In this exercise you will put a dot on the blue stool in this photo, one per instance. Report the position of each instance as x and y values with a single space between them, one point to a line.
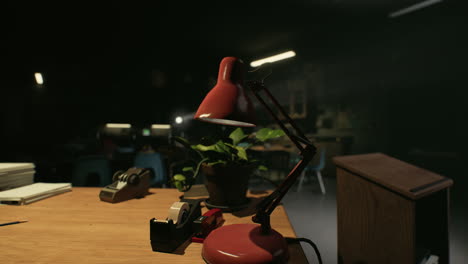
317 169
155 162
92 170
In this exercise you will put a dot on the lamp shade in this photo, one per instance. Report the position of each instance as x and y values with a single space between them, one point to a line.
227 103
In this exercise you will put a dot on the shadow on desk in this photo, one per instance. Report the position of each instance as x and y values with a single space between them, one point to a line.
251 209
181 249
248 211
255 197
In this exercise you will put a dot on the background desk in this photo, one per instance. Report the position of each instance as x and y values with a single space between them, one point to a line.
76 227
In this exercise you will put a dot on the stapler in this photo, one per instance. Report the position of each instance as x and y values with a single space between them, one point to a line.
206 223
133 183
168 234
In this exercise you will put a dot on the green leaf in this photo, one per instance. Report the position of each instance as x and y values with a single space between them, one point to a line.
241 153
201 147
238 151
237 135
179 186
187 169
216 162
179 178
222 147
219 147
265 134
262 168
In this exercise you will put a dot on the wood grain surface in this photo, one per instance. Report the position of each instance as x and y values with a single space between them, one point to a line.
374 224
389 211
77 227
404 178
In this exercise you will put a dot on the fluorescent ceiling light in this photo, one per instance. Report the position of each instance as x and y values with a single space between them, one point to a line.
413 8
160 126
274 58
113 125
39 79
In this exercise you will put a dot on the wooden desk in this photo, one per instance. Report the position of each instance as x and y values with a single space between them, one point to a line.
76 227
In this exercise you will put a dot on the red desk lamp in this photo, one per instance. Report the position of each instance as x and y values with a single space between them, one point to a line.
227 104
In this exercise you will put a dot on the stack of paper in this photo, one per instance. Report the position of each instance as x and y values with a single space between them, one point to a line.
34 192
14 175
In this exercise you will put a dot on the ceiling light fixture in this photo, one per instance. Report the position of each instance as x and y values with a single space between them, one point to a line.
39 79
160 126
114 125
281 56
413 8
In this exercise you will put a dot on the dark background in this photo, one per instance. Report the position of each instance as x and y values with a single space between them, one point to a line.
402 82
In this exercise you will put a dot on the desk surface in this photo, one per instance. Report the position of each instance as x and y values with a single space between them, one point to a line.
76 227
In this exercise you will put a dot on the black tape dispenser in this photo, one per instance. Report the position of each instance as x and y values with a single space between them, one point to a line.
133 183
167 235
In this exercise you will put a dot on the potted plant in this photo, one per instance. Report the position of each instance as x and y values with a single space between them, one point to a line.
226 164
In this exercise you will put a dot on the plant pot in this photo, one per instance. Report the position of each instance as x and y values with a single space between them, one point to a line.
227 185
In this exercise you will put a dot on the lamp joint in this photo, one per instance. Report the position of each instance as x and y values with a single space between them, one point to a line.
263 219
255 85
309 152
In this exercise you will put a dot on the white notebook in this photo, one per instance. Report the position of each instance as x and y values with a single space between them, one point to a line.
8 167
34 192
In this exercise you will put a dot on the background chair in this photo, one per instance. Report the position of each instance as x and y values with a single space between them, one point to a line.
92 170
317 169
155 162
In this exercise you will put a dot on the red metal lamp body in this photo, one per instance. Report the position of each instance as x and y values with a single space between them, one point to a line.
244 243
227 104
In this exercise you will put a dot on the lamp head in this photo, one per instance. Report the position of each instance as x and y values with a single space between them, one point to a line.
227 103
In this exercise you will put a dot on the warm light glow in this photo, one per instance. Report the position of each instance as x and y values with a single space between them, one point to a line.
413 8
39 79
160 126
226 122
204 116
179 120
228 254
271 59
113 125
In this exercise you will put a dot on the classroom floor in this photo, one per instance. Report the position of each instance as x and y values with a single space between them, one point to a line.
313 216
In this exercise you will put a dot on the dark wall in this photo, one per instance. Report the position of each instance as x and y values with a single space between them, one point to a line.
403 82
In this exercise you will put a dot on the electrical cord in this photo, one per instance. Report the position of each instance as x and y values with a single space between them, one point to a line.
302 239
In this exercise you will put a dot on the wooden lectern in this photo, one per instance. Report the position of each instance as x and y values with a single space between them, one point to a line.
390 211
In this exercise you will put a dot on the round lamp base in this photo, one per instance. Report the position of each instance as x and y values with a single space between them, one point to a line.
244 243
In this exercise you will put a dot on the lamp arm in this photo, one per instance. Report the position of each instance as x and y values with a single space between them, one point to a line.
269 203
256 88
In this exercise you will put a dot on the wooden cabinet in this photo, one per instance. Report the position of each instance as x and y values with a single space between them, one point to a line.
390 211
